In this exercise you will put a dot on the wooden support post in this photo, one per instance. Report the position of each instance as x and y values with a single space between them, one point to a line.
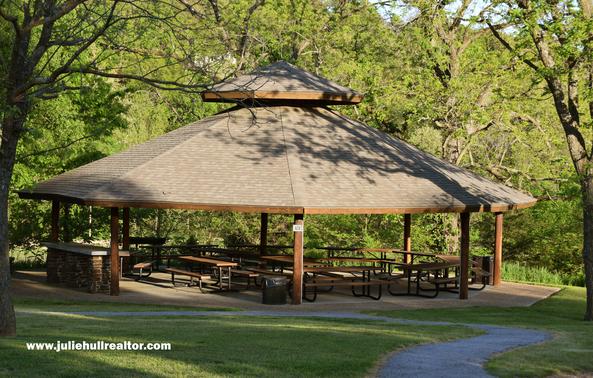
55 221
297 273
464 268
407 237
263 234
497 249
114 251
125 238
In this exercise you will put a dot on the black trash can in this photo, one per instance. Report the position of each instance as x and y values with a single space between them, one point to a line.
275 290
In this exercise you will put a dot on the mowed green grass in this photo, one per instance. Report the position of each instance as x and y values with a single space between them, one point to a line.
34 304
570 352
205 346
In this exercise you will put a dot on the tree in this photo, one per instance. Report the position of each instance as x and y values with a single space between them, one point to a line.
454 97
55 46
555 39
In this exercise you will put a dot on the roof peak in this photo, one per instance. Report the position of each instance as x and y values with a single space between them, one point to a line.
282 82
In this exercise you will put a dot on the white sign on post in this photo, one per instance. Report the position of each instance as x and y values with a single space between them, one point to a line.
298 228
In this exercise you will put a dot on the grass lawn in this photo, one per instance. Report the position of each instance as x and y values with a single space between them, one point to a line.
208 346
33 304
570 352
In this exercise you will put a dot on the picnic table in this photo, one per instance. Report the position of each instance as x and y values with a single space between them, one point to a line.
340 259
288 260
439 271
363 280
477 272
365 270
156 250
218 264
408 256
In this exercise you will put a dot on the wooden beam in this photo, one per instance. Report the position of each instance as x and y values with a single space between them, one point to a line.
263 234
464 268
55 221
277 209
114 251
497 249
125 238
407 237
297 273
349 98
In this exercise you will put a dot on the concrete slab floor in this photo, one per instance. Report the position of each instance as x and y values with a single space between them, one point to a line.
157 289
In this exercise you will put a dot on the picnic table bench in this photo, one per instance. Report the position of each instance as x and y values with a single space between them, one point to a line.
434 273
141 266
263 271
246 274
190 274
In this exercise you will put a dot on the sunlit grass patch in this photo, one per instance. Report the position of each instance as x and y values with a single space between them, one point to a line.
209 346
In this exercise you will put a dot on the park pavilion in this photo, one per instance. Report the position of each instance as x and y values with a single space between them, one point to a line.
280 149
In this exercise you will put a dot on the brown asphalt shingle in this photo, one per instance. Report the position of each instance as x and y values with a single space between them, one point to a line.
280 159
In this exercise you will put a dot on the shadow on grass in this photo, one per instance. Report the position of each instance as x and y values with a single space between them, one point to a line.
217 346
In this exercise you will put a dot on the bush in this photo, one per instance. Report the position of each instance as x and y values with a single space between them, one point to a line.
512 271
31 257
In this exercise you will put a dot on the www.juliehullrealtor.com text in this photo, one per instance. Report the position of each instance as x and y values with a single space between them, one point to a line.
59 346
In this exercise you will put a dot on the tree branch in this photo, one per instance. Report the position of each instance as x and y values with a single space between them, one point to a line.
508 46
66 145
57 13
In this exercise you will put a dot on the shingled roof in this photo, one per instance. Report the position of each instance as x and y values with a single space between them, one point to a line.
282 82
280 159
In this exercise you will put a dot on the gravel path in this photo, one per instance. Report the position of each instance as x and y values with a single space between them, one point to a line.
459 358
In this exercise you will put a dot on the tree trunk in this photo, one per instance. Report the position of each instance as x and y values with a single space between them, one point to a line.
451 231
7 317
11 130
588 242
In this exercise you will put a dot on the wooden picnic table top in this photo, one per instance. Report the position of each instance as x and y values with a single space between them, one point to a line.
355 249
371 250
450 258
428 265
178 246
378 249
209 261
415 253
342 269
333 248
354 259
285 258
270 246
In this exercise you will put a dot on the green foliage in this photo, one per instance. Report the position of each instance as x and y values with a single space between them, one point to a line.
540 275
553 240
27 257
